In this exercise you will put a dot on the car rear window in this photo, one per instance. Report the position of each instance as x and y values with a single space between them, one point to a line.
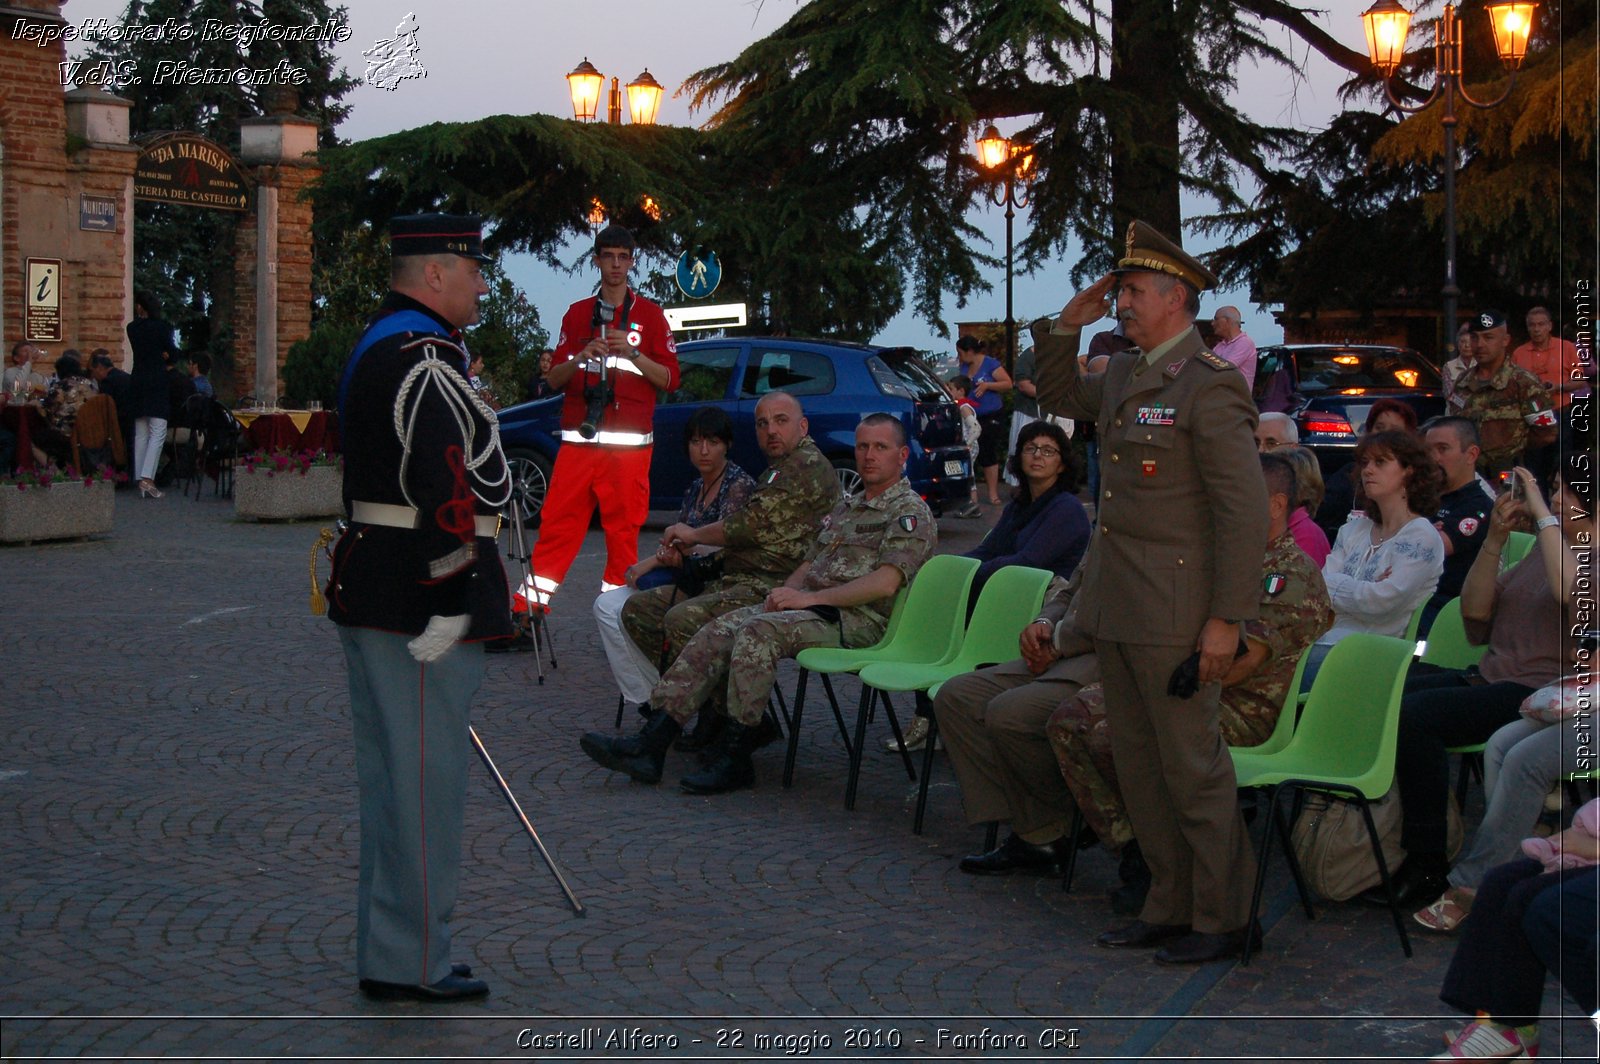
795 372
1333 369
899 370
704 374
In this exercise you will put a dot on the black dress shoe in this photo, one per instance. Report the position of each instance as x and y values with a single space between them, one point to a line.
1199 947
1014 856
1140 935
453 987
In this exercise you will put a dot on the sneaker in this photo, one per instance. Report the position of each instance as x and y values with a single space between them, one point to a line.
916 737
1483 1039
969 510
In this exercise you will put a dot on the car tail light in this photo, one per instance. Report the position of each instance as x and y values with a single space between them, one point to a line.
1328 424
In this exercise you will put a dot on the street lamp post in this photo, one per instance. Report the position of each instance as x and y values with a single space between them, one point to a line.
584 84
1386 23
1013 163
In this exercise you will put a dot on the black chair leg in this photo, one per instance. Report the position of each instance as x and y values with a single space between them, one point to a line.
794 727
1280 823
1383 873
927 773
620 704
1261 880
1072 850
899 736
838 715
862 710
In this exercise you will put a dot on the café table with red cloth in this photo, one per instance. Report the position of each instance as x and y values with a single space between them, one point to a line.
290 430
23 420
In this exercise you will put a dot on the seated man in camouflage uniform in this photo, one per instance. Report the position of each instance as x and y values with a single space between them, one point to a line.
1294 612
841 595
762 542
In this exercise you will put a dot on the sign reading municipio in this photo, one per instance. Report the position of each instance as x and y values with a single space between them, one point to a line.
97 214
191 171
42 314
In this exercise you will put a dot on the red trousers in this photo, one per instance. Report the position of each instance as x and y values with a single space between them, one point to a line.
617 480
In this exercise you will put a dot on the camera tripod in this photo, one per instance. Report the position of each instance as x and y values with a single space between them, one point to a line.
530 630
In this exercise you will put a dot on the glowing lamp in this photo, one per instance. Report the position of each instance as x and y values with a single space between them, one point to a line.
584 83
993 149
644 97
1386 23
1512 24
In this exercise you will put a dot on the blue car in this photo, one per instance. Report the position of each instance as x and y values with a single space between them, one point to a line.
837 384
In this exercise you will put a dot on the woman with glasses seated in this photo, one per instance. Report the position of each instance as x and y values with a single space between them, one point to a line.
1044 525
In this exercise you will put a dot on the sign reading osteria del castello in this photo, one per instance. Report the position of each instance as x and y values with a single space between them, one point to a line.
190 170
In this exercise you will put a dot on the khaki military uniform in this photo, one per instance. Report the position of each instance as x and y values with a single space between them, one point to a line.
1182 528
766 541
1294 612
992 722
744 647
1497 405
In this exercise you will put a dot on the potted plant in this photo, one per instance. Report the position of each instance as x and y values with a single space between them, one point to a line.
51 504
284 485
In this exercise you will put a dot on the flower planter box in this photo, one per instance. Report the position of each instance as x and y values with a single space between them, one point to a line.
68 509
287 495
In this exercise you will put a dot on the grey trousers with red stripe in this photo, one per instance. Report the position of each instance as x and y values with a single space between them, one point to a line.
410 723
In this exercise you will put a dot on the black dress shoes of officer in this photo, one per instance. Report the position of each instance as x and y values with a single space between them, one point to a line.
457 986
1140 935
731 769
641 756
1014 856
1198 947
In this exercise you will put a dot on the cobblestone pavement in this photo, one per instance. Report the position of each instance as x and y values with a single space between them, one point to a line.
178 823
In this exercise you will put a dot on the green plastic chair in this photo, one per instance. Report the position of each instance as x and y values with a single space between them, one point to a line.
1518 544
1446 645
1344 746
1009 601
1414 625
925 625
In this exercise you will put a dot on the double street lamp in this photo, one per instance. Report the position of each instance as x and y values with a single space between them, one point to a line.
1012 164
644 96
1386 24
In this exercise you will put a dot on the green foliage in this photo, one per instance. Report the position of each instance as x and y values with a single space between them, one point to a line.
312 369
508 337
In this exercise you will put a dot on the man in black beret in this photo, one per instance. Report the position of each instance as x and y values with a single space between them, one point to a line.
416 588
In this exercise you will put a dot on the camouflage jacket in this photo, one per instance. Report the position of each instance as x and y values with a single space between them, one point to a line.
1294 612
769 537
861 534
1497 405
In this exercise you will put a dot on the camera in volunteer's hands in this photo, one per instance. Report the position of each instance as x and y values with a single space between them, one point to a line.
597 396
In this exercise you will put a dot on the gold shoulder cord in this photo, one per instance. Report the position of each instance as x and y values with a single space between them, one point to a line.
319 604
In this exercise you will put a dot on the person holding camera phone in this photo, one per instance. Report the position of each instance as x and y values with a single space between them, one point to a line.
614 355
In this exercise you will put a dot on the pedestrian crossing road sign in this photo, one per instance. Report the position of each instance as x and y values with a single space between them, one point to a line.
699 273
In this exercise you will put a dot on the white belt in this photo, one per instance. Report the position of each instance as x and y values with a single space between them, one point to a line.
616 439
614 363
389 515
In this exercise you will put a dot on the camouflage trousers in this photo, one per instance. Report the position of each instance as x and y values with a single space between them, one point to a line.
742 650
1081 739
661 621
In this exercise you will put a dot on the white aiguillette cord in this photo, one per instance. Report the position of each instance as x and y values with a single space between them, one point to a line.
461 400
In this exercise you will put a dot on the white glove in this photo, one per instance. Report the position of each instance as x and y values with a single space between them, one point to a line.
437 639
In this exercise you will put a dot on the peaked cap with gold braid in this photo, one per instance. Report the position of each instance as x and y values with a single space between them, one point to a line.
1146 249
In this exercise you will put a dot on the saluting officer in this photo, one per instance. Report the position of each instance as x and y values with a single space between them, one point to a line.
416 587
1174 569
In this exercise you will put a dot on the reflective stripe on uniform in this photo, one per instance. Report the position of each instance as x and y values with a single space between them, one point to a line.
608 438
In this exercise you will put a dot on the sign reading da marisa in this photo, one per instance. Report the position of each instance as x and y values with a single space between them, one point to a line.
192 171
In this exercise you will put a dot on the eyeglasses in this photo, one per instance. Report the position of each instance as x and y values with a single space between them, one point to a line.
1036 451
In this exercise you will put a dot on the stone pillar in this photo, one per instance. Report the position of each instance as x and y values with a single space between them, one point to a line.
272 274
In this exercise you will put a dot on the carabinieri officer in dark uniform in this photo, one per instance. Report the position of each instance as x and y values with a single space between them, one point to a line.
416 588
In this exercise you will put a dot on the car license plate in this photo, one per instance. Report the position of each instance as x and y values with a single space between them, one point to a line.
955 468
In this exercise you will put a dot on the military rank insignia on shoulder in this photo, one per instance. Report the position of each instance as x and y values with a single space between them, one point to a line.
909 522
1215 361
1274 584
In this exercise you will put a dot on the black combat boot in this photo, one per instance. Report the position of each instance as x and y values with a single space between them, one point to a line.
640 756
1128 899
707 730
732 769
